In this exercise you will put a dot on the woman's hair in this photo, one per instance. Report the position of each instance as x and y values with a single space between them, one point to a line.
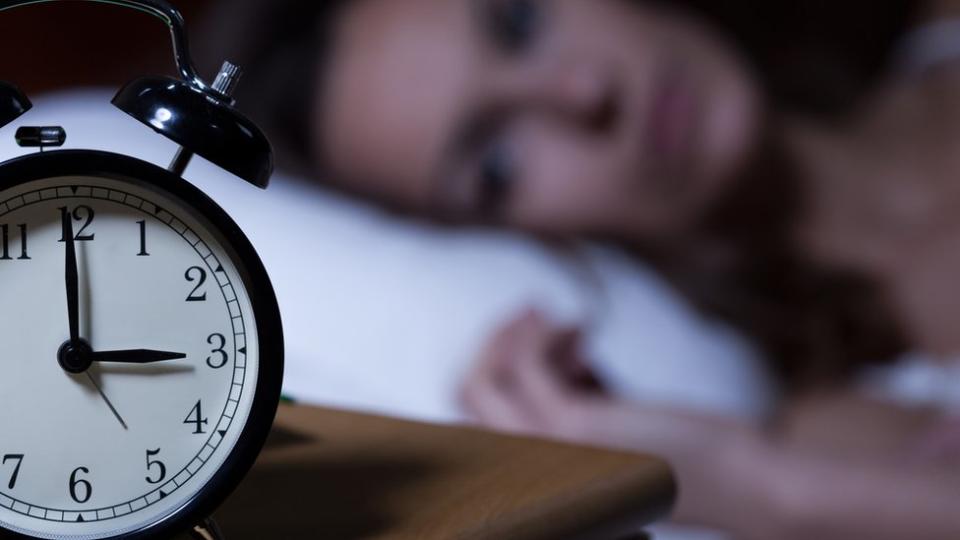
815 324
281 47
815 55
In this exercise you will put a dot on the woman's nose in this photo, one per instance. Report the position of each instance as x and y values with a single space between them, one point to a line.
577 91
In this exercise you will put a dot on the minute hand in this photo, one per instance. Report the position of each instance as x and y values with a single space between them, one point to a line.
71 279
137 356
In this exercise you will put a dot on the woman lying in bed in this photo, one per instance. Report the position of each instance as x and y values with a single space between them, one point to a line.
786 191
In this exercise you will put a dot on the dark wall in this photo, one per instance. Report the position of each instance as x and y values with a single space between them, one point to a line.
49 46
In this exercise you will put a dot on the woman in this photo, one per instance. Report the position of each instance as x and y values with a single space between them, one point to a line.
830 238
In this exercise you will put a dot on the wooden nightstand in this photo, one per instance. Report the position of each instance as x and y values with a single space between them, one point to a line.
338 475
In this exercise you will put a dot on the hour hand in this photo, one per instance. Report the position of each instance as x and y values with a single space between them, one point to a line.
137 356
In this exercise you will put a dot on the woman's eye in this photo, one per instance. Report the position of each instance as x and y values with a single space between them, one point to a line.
514 23
496 180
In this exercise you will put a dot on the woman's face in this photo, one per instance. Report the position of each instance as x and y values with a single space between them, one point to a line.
557 116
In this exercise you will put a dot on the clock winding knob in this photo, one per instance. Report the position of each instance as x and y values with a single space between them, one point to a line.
228 78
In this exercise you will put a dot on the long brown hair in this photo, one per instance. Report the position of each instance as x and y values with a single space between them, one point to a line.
814 324
817 325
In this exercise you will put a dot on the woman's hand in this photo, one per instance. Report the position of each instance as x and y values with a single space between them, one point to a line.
531 379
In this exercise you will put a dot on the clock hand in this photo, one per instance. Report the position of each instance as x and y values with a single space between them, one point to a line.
107 400
71 278
137 356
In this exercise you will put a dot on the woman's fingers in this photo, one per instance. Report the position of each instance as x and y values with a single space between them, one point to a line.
487 394
536 373
548 388
531 378
567 355
492 366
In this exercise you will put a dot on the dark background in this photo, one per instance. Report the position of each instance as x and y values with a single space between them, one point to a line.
63 44
798 44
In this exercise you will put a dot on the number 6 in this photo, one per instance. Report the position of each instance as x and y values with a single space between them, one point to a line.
74 482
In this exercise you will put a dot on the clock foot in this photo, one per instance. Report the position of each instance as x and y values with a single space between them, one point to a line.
208 530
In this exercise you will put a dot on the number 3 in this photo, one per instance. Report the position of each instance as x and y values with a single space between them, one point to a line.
224 357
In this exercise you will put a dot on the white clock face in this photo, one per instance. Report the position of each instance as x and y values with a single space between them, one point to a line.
122 445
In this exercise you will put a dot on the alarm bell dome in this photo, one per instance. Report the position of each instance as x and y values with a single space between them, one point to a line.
12 103
205 126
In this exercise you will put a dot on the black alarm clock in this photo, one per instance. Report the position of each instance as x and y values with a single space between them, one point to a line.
141 350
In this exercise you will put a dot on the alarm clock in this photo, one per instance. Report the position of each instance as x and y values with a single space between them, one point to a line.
141 349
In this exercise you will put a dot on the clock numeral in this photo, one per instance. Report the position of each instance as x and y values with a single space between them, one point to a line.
5 243
16 470
224 357
195 273
143 239
81 213
151 463
80 483
196 418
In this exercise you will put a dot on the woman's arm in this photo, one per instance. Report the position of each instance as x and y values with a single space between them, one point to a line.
732 475
824 498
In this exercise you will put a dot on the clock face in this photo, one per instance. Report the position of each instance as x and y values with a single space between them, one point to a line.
137 435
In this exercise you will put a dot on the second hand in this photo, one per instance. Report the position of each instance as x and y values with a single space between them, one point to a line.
107 401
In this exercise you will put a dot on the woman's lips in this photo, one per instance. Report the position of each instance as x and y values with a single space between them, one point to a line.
669 123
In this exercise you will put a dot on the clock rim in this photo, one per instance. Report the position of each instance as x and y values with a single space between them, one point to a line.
253 275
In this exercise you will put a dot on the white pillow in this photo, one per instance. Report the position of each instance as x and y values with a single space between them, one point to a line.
385 314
